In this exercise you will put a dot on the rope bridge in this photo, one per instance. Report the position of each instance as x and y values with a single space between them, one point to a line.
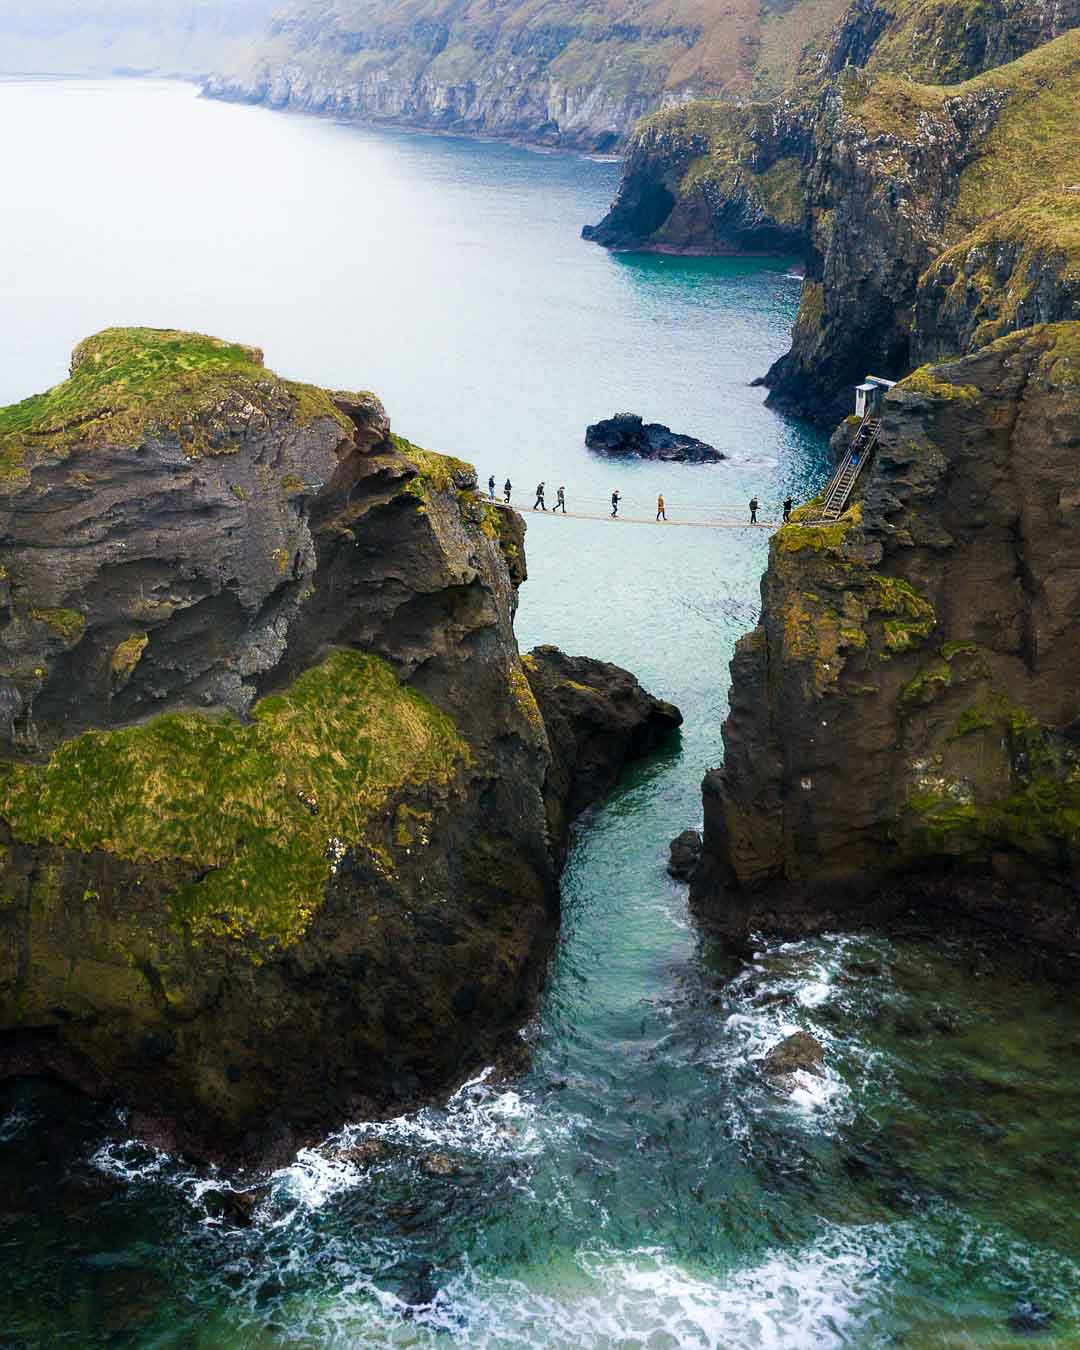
599 508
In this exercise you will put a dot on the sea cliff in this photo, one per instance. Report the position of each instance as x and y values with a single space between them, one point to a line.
872 176
575 76
280 815
904 719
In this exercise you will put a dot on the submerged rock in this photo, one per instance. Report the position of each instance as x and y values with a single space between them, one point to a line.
685 855
627 434
276 794
439 1165
362 1153
236 1208
799 1053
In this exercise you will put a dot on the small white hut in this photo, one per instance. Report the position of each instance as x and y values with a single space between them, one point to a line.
869 394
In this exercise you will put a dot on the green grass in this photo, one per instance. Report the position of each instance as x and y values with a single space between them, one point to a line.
128 382
236 797
1039 238
438 472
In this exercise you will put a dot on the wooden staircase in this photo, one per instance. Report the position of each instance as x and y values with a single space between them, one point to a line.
842 483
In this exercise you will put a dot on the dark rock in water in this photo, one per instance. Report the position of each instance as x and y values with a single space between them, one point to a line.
279 809
1029 1319
627 434
799 1052
366 1151
439 1165
598 718
234 1207
685 855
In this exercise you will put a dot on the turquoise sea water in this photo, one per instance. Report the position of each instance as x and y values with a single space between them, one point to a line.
642 1185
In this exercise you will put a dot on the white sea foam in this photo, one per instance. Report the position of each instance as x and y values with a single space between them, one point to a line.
604 1300
130 1161
16 1122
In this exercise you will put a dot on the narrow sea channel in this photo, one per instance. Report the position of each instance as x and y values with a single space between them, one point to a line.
641 1186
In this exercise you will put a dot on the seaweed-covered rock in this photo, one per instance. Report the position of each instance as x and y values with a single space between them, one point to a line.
626 434
903 721
797 1053
274 787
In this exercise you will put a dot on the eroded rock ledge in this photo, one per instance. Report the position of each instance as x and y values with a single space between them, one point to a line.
905 720
280 818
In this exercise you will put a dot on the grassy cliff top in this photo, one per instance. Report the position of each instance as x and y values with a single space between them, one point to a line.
1029 107
129 383
265 806
1043 229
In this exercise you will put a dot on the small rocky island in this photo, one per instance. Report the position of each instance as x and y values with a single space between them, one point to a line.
282 807
626 434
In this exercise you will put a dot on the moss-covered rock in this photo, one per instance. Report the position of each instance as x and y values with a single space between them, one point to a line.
903 723
275 793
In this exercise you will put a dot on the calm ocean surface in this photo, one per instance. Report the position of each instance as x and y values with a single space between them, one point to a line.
641 1186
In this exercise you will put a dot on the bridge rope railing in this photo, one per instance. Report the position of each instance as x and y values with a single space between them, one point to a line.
643 511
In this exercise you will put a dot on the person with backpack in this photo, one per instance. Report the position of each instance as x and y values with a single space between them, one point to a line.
787 509
661 514
491 487
615 500
507 489
539 497
560 500
753 510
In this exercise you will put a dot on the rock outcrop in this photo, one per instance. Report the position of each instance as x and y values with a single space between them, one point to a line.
705 179
872 178
626 434
598 718
1020 268
578 77
904 720
275 790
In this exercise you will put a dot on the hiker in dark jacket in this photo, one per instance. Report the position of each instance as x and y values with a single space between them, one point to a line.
539 497
560 500
507 489
787 509
491 487
753 510
615 500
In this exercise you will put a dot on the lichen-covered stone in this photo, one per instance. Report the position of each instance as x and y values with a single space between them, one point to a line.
903 721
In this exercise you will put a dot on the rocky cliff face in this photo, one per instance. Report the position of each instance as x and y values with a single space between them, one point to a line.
712 179
1021 268
572 75
904 720
276 792
871 177
102 37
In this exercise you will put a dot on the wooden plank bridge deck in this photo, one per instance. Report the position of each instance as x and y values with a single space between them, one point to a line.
729 521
